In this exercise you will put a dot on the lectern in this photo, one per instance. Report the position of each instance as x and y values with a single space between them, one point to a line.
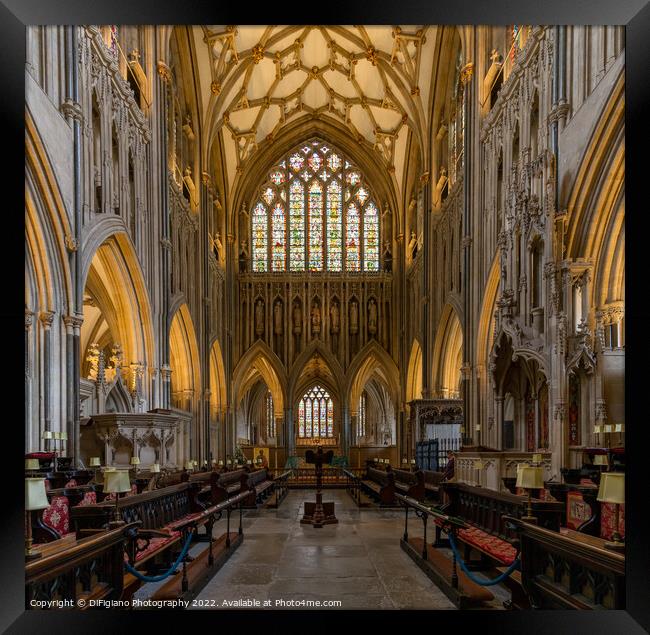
319 513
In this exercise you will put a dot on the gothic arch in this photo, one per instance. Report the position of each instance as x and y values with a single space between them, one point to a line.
330 131
260 361
485 333
414 373
47 229
447 353
115 280
184 354
372 361
331 375
218 392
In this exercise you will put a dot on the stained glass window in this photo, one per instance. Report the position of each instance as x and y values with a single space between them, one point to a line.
260 230
334 226
361 417
270 419
316 414
278 238
320 214
352 239
371 238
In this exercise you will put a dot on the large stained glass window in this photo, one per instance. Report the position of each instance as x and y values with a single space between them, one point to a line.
316 414
315 212
270 419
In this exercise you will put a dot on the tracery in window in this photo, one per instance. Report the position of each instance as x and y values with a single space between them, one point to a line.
361 419
332 221
316 414
270 419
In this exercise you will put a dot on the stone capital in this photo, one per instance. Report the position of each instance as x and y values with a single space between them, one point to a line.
46 317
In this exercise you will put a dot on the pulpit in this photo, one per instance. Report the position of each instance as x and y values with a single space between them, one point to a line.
319 513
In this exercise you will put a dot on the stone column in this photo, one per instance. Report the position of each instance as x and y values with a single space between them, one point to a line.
46 318
290 438
69 321
29 318
499 421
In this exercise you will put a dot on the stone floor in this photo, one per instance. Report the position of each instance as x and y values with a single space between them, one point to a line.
358 562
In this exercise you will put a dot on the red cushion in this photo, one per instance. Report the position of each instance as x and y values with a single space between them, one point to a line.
71 483
90 498
503 551
154 544
57 515
39 455
607 520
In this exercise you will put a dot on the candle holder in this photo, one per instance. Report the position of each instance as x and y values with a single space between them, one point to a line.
530 478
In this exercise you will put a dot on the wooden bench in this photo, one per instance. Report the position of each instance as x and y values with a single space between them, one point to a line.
484 510
569 569
91 568
432 482
410 483
281 489
223 485
380 485
259 484
160 512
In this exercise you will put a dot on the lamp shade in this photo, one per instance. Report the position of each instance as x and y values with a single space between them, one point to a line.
618 427
386 461
612 488
195 462
32 464
601 459
220 461
376 460
412 461
228 462
117 481
135 460
537 458
530 477
249 462
597 429
94 461
155 468
189 465
478 465
57 436
607 427
35 495
63 436
47 434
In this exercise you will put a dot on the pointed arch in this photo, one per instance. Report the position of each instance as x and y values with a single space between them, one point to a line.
330 372
260 361
218 392
372 361
486 323
414 373
116 282
184 354
447 354
47 228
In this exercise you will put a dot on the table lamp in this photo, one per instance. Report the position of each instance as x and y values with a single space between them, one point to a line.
47 436
537 458
32 465
135 461
155 468
220 462
376 460
64 437
412 461
188 465
116 482
405 461
530 478
228 462
612 490
35 498
386 461
94 461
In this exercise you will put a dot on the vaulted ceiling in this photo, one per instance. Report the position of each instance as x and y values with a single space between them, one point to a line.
375 81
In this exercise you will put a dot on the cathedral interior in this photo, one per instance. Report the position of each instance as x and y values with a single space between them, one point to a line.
246 245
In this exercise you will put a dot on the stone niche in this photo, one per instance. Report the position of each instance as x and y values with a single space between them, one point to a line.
158 436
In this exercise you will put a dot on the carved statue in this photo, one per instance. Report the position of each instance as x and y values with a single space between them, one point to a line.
277 317
259 317
315 319
243 256
297 318
413 245
218 247
372 316
334 317
354 317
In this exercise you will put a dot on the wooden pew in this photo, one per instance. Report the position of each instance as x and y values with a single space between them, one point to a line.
484 510
259 484
380 485
432 482
569 570
223 485
91 568
281 489
410 483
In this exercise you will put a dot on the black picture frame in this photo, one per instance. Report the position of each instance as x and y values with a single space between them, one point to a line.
635 14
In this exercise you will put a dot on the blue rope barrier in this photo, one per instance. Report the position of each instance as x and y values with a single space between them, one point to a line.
468 573
162 576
